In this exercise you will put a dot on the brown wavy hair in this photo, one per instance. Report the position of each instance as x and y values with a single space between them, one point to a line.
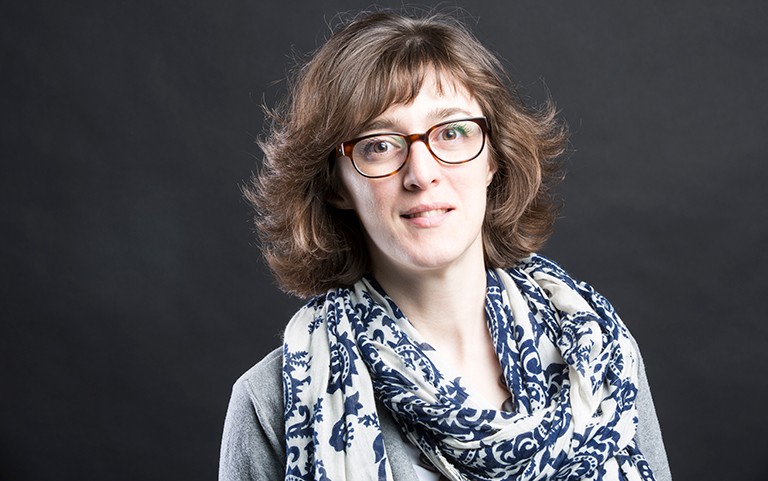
368 64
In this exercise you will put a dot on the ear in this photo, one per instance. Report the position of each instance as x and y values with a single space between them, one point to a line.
491 172
339 200
339 196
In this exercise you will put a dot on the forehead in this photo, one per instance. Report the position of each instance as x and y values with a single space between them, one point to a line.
439 97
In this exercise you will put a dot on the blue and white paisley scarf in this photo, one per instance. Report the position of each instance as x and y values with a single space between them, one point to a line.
566 357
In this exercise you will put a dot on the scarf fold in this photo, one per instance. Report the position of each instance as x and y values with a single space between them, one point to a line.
565 355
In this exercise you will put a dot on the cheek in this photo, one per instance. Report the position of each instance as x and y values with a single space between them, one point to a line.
481 177
371 205
364 196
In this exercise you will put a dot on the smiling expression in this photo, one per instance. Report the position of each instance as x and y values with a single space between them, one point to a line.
429 215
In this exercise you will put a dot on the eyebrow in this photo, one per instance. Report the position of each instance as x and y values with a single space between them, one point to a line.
435 116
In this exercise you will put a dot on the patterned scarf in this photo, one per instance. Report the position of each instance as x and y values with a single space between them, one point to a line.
565 356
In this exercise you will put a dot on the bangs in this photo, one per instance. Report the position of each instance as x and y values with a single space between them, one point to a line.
397 77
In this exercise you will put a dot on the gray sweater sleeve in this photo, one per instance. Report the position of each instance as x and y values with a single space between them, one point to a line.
648 435
253 446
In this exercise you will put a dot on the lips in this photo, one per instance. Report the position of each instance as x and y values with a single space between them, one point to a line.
426 211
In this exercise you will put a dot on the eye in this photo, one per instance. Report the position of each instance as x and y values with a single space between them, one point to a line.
379 147
453 132
450 134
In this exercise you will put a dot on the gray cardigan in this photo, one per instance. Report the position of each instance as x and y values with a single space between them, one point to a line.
253 444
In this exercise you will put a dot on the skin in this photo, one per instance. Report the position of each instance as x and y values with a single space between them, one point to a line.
424 235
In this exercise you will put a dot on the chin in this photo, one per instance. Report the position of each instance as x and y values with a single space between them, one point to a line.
433 261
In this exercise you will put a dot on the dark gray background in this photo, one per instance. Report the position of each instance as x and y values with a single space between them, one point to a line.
133 295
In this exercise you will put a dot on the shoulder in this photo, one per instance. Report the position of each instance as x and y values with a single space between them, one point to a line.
252 444
265 374
260 388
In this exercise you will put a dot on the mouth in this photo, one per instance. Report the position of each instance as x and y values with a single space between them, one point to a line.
426 213
427 210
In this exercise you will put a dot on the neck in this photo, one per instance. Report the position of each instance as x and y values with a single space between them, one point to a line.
446 306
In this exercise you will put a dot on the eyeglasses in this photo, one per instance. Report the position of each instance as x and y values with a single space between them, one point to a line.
384 154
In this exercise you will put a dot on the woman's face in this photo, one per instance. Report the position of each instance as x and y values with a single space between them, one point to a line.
429 215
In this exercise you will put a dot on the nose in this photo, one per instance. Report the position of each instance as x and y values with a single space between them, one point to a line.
422 169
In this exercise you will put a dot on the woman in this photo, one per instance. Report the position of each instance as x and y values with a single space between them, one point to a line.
407 188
